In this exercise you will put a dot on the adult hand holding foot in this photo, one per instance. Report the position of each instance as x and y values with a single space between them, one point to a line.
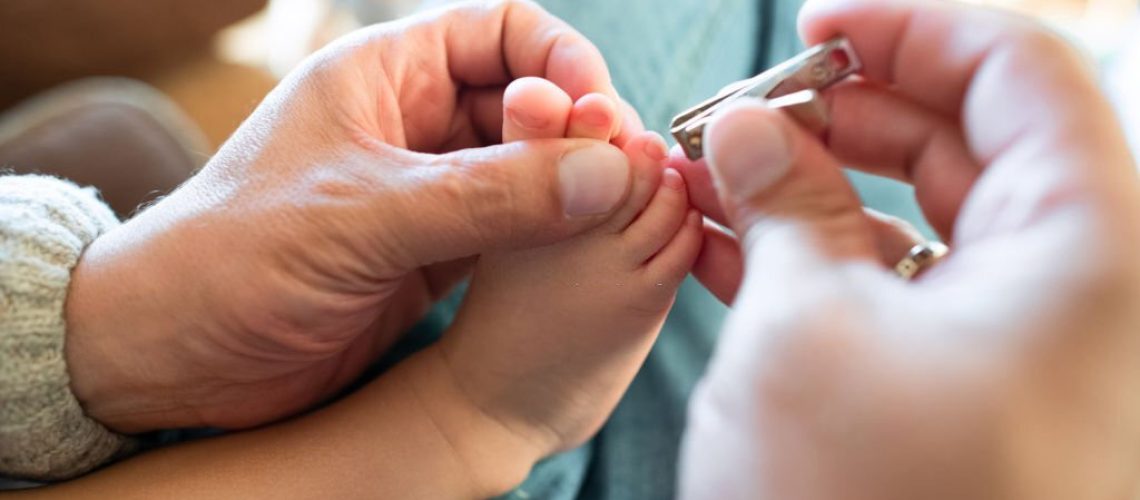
350 201
1006 371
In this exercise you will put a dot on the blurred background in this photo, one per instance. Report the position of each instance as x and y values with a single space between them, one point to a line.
134 95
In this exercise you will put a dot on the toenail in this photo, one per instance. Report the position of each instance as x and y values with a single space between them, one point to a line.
672 179
595 118
526 120
656 149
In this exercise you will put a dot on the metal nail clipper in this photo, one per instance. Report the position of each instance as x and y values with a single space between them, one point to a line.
792 86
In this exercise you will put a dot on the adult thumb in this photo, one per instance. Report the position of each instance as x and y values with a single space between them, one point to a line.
519 195
785 195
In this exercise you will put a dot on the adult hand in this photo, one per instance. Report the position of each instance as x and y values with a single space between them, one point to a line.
350 201
1007 371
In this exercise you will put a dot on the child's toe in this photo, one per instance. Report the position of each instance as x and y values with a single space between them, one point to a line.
535 108
646 151
676 259
594 116
661 219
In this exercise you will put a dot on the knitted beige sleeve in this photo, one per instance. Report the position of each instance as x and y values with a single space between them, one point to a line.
45 224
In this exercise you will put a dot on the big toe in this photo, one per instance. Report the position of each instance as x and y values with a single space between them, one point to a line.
535 108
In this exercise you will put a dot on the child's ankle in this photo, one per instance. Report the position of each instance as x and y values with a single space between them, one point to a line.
495 456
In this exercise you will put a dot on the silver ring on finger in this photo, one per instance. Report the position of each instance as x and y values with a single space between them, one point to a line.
920 258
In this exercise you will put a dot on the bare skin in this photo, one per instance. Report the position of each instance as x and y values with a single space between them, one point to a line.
333 219
1007 371
582 314
547 341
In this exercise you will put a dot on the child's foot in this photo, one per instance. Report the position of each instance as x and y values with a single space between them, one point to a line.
549 339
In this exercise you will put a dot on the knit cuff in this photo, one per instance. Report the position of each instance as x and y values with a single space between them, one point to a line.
45 224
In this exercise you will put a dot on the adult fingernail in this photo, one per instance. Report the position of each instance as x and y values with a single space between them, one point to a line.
593 180
748 152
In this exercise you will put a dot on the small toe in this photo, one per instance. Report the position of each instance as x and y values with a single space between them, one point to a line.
661 219
594 116
646 152
670 266
631 125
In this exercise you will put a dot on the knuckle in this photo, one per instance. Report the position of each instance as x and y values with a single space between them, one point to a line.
487 199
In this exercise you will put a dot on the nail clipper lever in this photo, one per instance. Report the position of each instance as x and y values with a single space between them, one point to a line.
793 85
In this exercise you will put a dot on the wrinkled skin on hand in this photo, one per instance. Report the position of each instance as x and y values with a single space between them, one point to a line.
352 199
